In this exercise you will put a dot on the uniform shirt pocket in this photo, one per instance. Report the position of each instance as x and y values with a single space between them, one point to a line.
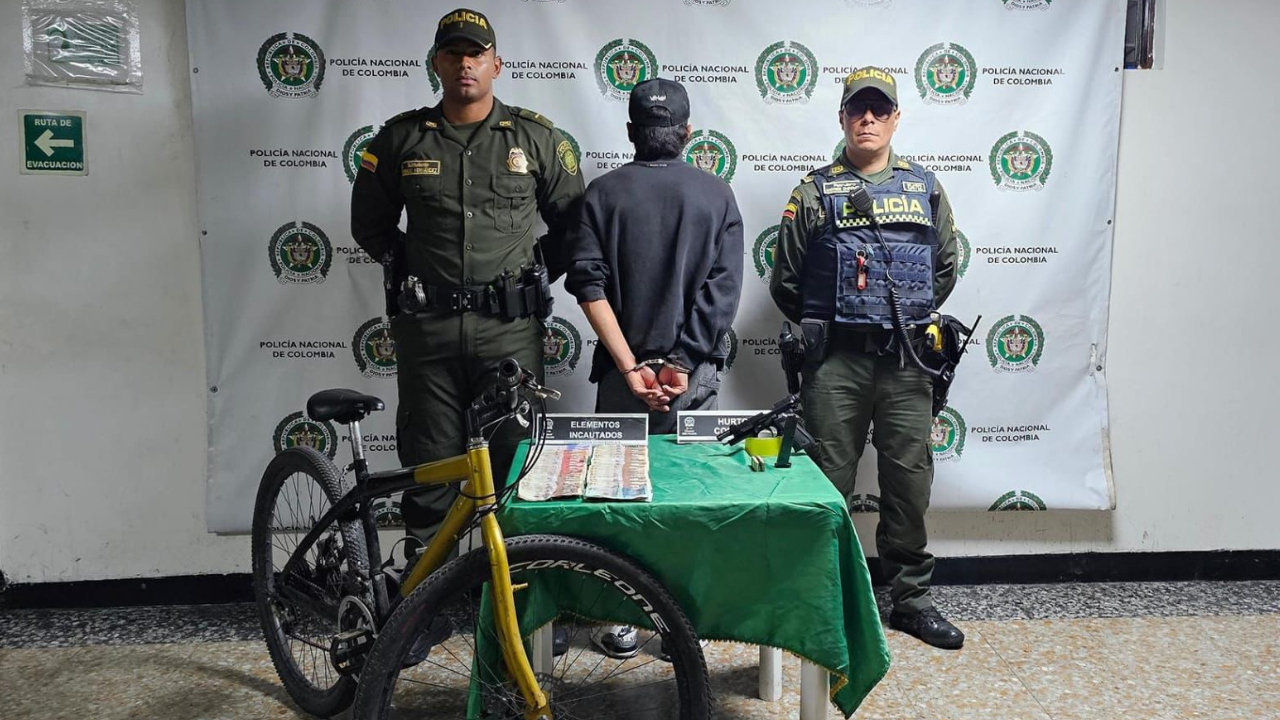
421 182
513 203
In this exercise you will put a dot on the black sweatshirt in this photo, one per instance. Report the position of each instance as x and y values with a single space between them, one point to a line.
662 242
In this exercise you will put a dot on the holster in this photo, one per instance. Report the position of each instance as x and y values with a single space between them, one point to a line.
817 339
510 296
395 270
954 335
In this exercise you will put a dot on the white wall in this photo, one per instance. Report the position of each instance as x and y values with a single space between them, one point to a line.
102 430
102 434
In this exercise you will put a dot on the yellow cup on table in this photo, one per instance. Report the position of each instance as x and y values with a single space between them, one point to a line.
764 446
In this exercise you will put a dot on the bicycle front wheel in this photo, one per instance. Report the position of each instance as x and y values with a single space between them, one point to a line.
299 611
438 655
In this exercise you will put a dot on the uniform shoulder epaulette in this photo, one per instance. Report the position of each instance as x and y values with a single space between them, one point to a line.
531 115
906 165
826 172
407 115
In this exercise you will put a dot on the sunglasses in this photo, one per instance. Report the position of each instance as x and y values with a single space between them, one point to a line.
856 108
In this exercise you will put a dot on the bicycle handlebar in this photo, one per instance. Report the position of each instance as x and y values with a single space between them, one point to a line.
501 398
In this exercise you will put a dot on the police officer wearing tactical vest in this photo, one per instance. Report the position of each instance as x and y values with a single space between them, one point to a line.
851 232
468 281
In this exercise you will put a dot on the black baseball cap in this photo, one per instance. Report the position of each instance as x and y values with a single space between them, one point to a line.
466 24
869 77
659 103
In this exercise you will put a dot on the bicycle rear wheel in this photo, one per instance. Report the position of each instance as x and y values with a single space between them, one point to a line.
300 612
438 656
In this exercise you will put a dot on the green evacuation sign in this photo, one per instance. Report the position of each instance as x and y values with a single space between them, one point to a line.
52 143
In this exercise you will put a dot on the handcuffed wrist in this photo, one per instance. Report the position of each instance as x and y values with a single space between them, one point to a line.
678 367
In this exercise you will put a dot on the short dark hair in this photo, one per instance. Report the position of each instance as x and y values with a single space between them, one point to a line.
658 143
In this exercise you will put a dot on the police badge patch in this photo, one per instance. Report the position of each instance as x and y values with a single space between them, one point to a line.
516 161
568 159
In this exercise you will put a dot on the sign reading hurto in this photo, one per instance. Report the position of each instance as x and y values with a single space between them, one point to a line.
622 428
52 143
703 425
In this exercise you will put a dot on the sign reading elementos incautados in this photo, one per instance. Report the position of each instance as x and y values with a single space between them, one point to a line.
52 143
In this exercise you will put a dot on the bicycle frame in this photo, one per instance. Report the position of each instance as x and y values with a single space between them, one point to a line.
478 496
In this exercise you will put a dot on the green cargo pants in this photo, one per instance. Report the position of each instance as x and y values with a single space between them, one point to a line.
848 391
442 361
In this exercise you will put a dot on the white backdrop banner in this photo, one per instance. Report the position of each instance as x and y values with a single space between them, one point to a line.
1015 104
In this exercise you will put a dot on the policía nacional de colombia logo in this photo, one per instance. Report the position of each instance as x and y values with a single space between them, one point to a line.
298 430
764 251
711 151
561 347
623 64
1015 344
947 436
964 253
351 149
375 349
864 503
730 349
1027 4
436 88
291 65
300 253
386 512
1018 500
946 74
786 72
1021 160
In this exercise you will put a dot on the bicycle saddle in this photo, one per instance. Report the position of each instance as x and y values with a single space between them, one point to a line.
345 406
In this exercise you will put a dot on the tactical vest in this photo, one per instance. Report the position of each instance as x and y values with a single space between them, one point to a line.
830 280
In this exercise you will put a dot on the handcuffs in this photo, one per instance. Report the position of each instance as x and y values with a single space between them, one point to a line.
658 361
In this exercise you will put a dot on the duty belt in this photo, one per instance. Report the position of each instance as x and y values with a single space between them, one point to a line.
869 341
510 297
462 299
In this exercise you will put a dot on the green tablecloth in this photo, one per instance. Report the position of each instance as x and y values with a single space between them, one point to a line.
763 558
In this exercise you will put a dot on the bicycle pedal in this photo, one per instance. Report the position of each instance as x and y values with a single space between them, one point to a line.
348 650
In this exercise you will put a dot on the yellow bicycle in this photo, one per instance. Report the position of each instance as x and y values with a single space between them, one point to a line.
443 638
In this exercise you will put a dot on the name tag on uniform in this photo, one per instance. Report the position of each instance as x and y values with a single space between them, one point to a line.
840 187
420 167
911 186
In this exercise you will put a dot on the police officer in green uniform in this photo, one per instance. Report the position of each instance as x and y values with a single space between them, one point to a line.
470 281
834 267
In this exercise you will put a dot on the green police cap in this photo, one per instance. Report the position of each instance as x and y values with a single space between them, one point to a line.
869 77
465 24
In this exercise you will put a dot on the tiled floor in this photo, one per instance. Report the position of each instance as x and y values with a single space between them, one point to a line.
1130 650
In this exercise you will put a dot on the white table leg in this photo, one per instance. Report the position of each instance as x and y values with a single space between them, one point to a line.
815 686
770 674
542 659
